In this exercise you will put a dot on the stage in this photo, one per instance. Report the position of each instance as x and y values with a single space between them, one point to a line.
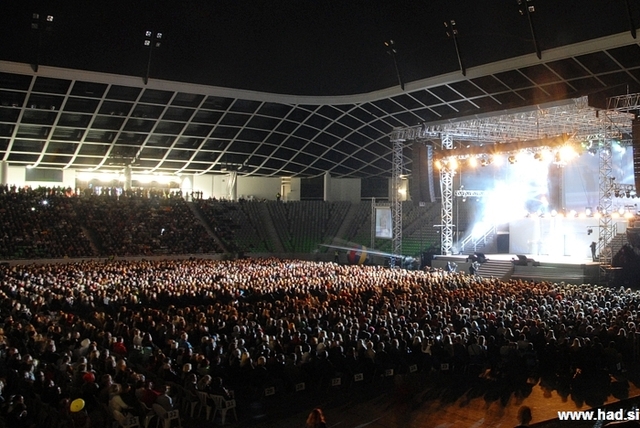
568 269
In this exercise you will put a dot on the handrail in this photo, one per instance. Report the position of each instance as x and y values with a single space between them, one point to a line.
483 238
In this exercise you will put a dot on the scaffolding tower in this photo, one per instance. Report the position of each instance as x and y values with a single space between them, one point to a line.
446 210
396 202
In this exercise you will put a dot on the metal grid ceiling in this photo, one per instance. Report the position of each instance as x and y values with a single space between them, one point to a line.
61 118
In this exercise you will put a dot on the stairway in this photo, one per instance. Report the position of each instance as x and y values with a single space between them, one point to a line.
198 215
501 269
347 224
270 229
93 242
617 242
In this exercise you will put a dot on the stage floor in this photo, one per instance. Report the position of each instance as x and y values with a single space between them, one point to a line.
569 260
573 270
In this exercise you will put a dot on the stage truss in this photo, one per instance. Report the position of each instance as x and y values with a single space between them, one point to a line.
575 119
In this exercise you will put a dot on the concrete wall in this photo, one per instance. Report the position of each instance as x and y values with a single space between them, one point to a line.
215 185
344 189
259 187
291 189
203 183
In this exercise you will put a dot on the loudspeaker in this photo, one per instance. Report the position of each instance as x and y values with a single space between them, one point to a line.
635 143
421 185
502 242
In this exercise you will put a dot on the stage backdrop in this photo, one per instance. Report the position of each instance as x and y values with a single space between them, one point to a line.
556 236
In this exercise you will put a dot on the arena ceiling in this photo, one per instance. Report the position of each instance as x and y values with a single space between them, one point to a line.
292 88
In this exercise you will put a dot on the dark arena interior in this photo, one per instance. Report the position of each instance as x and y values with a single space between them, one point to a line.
319 213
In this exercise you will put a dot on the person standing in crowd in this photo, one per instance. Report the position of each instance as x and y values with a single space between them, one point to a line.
316 419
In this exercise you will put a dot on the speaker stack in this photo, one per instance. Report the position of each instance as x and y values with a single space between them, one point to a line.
635 143
421 186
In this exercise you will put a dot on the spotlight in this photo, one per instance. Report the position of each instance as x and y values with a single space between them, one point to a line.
512 159
589 231
538 156
588 211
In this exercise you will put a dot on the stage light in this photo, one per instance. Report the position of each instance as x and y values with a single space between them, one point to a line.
453 164
618 148
554 213
588 211
473 162
537 156
589 231
512 159
438 164
568 153
573 213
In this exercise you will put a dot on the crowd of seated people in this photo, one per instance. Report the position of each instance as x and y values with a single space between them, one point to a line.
57 223
39 223
144 226
121 334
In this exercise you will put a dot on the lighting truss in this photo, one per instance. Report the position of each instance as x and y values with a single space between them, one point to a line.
502 148
574 118
464 193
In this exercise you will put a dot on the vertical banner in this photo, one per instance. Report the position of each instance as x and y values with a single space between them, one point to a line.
384 223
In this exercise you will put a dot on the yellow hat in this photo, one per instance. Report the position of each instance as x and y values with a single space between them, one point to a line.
77 405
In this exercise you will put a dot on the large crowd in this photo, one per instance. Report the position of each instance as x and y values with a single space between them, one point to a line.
122 335
49 223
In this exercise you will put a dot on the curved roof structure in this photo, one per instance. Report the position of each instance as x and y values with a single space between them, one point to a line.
294 89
